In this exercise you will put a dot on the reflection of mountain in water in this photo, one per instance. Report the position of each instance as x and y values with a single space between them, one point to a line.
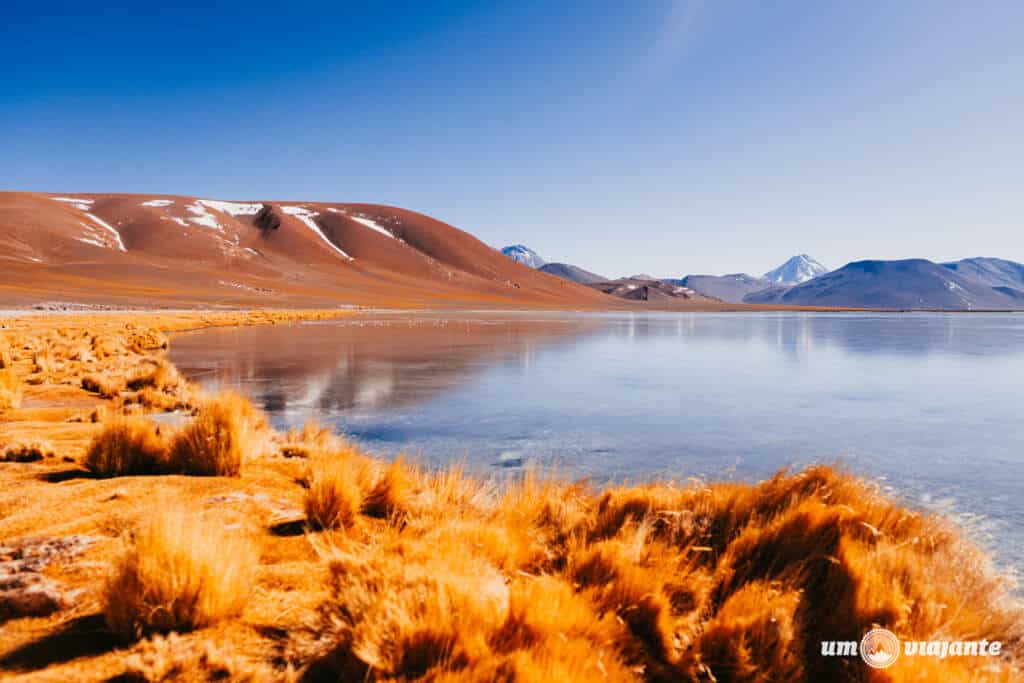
796 333
366 366
362 366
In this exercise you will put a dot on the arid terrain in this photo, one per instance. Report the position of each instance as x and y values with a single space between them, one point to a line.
126 251
167 251
200 544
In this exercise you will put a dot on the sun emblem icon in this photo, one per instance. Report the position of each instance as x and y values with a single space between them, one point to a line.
880 648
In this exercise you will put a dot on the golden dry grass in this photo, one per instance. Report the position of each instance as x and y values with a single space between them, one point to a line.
179 572
6 356
338 481
105 387
27 451
128 446
391 493
311 438
219 440
164 659
706 582
10 389
43 361
159 375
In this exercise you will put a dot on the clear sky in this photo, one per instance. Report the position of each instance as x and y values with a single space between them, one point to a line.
654 136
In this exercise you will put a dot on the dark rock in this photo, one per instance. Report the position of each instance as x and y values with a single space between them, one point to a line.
267 218
36 597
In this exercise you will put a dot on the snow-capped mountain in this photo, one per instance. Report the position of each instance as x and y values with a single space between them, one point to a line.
523 254
796 270
909 284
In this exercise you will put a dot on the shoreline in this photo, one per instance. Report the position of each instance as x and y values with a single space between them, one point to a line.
15 313
656 574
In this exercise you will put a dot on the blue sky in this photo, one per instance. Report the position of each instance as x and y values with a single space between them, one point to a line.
663 137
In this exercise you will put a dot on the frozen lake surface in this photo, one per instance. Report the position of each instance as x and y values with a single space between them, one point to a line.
928 403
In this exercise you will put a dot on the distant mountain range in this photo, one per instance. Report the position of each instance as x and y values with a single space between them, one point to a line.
728 288
735 287
645 288
171 250
520 253
641 287
911 284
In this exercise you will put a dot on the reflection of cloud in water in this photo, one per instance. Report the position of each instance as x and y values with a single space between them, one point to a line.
377 390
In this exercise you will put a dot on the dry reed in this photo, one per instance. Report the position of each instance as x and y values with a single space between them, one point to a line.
219 440
179 573
127 446
10 389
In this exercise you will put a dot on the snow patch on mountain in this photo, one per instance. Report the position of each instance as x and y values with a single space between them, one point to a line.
796 270
158 202
200 216
78 203
520 253
233 208
307 216
84 205
368 222
109 228
373 226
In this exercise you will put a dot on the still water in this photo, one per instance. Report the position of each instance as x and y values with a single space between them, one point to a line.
928 403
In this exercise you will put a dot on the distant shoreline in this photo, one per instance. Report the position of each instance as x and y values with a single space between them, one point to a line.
101 309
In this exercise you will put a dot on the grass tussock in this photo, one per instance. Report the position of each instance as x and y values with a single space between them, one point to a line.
10 389
727 582
159 375
103 386
310 439
164 659
27 451
179 573
153 399
43 361
220 438
128 446
392 492
338 483
6 355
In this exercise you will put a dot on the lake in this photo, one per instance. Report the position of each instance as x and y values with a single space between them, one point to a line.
928 403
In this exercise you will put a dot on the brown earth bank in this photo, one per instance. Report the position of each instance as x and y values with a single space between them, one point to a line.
202 545
171 251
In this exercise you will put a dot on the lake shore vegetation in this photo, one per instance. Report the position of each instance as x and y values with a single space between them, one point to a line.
214 547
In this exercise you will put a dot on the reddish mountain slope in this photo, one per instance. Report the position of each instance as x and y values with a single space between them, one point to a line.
171 250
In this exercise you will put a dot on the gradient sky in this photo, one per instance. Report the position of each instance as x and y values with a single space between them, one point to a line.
658 136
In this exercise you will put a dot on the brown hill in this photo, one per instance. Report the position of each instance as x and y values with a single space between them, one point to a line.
165 250
646 289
